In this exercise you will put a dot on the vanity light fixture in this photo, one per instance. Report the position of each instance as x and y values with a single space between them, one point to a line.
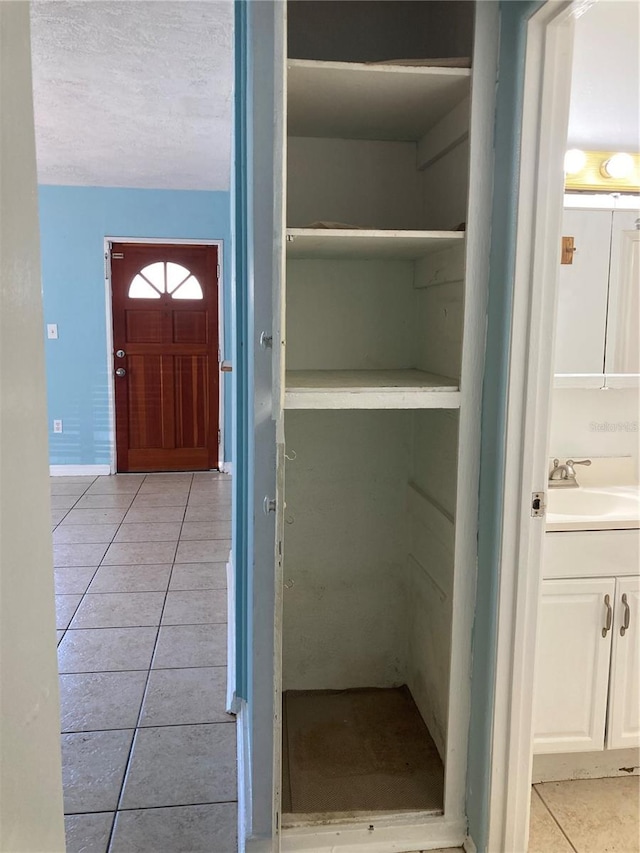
602 171
618 166
574 161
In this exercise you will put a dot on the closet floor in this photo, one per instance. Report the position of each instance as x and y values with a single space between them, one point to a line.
364 750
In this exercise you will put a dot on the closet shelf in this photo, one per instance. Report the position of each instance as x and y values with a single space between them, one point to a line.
346 243
369 389
352 100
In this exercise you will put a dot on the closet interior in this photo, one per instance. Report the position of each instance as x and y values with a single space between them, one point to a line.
378 97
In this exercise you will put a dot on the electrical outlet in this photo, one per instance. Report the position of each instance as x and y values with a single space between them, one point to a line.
52 332
57 426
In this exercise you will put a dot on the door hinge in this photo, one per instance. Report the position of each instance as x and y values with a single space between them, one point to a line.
219 436
117 256
538 506
218 271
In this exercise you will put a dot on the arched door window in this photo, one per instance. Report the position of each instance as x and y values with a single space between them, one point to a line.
165 277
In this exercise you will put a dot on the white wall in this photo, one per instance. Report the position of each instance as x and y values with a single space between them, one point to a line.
30 771
344 550
605 89
594 423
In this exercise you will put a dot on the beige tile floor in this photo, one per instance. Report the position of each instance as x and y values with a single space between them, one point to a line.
148 749
586 816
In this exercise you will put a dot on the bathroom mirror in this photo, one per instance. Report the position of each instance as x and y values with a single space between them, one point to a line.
598 309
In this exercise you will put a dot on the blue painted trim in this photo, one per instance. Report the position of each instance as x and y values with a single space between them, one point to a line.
514 16
243 374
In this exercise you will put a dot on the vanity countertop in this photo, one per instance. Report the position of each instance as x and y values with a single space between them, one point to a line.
601 507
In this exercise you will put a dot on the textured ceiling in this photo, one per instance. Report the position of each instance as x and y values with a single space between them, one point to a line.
133 94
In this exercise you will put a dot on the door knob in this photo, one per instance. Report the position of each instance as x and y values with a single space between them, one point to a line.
120 353
120 371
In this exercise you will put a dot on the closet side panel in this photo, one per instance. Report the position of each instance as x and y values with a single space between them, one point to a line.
344 610
431 498
445 186
360 183
439 309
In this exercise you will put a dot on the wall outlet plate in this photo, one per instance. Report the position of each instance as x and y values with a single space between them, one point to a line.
52 331
57 426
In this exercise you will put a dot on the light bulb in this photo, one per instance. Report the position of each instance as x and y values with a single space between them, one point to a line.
619 166
574 161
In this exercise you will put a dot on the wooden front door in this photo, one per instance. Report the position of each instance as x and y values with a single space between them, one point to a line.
165 356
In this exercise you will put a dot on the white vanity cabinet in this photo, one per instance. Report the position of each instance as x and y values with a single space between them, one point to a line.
587 688
623 723
572 665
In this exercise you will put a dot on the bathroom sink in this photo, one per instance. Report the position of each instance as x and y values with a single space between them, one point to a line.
594 508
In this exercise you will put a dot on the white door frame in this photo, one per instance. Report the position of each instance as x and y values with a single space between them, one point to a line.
111 391
547 86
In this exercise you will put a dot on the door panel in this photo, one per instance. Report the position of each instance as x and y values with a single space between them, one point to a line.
190 327
145 401
623 729
165 319
143 327
191 400
572 665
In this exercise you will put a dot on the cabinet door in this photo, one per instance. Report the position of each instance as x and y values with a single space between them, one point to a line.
582 293
572 665
623 335
623 725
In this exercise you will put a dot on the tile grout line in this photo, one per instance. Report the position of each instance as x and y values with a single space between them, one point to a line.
159 669
555 819
137 728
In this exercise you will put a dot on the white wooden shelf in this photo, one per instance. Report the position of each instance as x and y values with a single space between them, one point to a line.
369 389
352 100
346 243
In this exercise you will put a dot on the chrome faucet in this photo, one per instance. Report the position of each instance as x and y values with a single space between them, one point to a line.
564 476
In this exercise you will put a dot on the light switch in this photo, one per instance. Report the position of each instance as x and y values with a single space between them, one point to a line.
52 331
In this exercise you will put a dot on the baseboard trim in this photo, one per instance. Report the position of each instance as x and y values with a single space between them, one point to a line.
384 835
79 470
606 764
469 845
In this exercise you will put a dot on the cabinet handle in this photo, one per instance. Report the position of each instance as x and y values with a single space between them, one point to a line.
607 624
627 615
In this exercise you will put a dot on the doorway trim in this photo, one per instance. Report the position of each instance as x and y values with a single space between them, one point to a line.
540 191
111 391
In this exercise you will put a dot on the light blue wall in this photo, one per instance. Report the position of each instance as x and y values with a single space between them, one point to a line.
514 15
73 223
